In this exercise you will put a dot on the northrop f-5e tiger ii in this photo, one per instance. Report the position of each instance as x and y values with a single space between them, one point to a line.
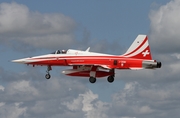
95 65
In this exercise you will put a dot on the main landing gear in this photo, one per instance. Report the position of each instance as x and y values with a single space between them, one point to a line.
110 79
48 76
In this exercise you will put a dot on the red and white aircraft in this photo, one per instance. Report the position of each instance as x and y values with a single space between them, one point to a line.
96 65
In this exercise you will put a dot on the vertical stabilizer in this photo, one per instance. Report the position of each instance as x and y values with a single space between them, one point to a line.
139 49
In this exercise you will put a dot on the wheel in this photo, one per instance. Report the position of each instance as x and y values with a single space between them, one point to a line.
92 79
110 79
47 76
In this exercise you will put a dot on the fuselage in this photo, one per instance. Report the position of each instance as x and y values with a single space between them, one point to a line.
103 60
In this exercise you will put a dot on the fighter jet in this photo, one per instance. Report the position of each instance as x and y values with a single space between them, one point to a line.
95 65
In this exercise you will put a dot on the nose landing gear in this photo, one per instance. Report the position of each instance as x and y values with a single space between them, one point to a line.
48 76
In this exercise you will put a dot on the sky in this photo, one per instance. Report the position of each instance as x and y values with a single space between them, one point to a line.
31 28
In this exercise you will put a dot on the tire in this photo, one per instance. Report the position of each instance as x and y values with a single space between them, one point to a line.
92 79
47 76
110 79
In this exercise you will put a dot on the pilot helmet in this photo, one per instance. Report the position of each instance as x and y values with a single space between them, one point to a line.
63 51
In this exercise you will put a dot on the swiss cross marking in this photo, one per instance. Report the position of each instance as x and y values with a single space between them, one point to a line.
145 53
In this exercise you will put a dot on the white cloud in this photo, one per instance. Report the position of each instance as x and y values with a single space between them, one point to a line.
25 30
140 100
76 104
1 88
12 110
145 110
52 98
87 99
22 87
14 17
2 104
89 104
20 25
165 27
38 97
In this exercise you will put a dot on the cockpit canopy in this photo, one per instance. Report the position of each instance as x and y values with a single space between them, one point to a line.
59 52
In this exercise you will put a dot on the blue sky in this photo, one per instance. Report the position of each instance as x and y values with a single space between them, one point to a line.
30 28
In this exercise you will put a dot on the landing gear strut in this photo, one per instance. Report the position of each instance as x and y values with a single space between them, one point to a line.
48 76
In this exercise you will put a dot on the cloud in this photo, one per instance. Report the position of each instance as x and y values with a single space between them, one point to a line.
165 27
33 29
11 110
38 97
25 30
66 97
89 104
138 100
165 41
135 100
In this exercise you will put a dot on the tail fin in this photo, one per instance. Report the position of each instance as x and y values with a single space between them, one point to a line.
139 49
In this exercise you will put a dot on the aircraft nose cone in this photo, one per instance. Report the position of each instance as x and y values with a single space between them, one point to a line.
16 61
19 61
